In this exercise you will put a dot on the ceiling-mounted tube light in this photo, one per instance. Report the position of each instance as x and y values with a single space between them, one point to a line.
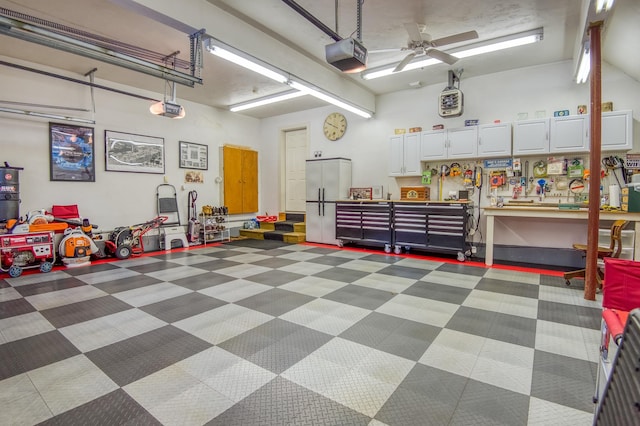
500 43
266 100
244 60
585 65
603 5
315 92
46 115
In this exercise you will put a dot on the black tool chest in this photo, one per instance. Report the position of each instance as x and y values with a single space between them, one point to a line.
430 226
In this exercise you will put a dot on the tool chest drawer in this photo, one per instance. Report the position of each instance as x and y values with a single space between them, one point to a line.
363 223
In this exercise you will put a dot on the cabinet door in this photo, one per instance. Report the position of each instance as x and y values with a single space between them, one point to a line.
569 134
411 155
531 137
494 140
463 142
249 181
396 155
232 164
433 145
617 131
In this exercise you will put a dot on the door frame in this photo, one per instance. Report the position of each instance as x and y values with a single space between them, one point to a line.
283 162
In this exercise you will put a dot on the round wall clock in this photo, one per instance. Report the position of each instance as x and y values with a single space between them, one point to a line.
335 125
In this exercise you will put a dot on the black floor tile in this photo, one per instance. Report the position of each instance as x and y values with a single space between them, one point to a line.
181 307
472 321
367 298
484 404
443 293
134 358
342 274
14 307
580 316
382 258
260 244
48 286
404 272
275 302
461 268
274 278
217 265
154 267
563 380
202 281
330 260
114 408
124 284
508 287
33 352
86 310
514 329
274 263
91 268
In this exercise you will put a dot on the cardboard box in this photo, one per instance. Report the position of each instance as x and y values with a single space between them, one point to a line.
630 199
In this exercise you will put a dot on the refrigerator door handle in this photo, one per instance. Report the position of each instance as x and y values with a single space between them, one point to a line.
319 214
323 201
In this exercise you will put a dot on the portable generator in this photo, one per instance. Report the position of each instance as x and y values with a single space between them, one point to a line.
29 250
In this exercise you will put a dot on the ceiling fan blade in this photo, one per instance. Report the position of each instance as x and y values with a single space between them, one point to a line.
414 31
403 63
442 56
456 38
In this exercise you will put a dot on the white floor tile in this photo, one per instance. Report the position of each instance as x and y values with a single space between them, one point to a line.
426 311
235 290
151 294
21 403
26 325
67 296
313 286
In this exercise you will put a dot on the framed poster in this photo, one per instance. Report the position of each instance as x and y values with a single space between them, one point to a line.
125 152
194 156
71 154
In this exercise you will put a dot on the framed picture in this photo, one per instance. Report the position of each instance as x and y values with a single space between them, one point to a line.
71 153
194 156
360 193
125 152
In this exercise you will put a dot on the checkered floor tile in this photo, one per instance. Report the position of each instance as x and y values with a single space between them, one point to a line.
265 333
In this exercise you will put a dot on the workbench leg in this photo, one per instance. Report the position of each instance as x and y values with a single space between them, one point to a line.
488 258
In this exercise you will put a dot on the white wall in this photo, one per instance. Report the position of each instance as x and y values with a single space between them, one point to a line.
499 96
115 198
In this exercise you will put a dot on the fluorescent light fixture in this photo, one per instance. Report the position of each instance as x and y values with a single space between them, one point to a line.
328 98
500 43
46 115
585 65
603 5
244 60
266 100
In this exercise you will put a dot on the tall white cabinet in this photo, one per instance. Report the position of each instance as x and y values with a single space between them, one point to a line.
327 181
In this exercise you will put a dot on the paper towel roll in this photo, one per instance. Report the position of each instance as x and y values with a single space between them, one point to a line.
614 196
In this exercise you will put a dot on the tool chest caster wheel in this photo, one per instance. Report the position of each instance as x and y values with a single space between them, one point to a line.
567 282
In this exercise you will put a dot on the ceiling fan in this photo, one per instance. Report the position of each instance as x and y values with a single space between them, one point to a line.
420 43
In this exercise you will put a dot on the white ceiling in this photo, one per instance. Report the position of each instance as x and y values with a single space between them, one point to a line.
225 84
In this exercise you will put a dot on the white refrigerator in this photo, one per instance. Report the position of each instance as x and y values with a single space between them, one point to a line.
327 180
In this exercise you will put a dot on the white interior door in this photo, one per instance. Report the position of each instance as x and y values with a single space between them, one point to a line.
295 159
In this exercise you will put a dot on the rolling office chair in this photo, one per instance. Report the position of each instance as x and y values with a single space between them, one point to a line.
613 250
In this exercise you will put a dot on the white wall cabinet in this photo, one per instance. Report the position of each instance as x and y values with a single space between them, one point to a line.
617 131
494 140
449 144
569 134
531 137
404 155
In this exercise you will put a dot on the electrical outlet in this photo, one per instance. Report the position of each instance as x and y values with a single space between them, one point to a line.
474 249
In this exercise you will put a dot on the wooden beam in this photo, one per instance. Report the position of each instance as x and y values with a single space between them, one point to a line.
590 282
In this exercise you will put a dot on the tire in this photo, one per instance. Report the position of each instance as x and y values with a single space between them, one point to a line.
15 271
46 267
123 252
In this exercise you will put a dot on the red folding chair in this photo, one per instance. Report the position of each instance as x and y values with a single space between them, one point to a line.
620 295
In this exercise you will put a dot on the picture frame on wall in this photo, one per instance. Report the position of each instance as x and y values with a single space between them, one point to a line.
126 152
193 156
71 153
